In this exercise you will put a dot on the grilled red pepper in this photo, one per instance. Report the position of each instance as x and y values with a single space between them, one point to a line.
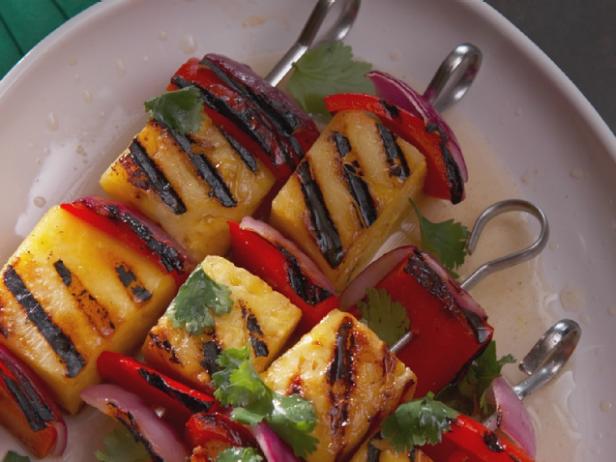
213 433
443 178
27 409
469 441
154 388
448 328
133 229
277 265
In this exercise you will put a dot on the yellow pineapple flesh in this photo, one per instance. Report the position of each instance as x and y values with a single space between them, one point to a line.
63 302
350 376
379 449
260 318
349 194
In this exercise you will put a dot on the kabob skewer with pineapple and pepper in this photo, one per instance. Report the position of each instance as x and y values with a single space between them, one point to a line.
282 350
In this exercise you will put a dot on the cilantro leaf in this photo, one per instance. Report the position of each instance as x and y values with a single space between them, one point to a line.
469 394
386 317
445 239
324 70
180 110
419 422
198 297
121 446
239 455
12 456
238 385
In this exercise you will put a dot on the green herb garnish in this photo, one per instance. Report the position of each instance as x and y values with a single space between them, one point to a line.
419 422
239 455
238 385
180 110
199 299
386 317
326 70
445 239
120 446
12 456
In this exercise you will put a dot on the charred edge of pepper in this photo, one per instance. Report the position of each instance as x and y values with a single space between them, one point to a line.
456 183
241 120
301 285
169 257
341 375
60 343
211 351
323 227
492 442
96 314
157 179
391 109
138 292
249 160
259 347
204 169
165 345
34 409
427 278
157 381
282 118
129 422
398 166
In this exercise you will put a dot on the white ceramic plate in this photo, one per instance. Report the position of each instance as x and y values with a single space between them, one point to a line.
74 102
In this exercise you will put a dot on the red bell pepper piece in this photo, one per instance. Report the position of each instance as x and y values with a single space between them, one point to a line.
157 390
469 441
133 229
28 410
443 178
445 334
213 433
280 270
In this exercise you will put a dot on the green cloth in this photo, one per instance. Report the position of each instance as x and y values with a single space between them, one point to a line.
24 23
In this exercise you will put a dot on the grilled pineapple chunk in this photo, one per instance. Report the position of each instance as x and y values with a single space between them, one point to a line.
260 318
62 301
190 185
349 193
349 375
378 450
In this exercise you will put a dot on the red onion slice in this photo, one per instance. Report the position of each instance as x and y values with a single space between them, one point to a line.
61 438
401 94
270 234
273 448
372 275
511 416
160 440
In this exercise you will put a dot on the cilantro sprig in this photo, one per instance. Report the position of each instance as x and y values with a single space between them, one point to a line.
12 456
199 299
238 454
445 239
325 70
238 385
180 110
386 317
469 394
419 422
120 446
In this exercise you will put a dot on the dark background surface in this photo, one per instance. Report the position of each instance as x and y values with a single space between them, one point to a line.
580 37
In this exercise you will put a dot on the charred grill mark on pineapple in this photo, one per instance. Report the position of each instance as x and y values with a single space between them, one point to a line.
158 382
135 288
301 285
398 166
32 406
456 183
431 281
211 350
127 419
244 154
259 347
156 179
55 337
373 454
358 188
341 377
322 226
96 314
296 386
163 344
